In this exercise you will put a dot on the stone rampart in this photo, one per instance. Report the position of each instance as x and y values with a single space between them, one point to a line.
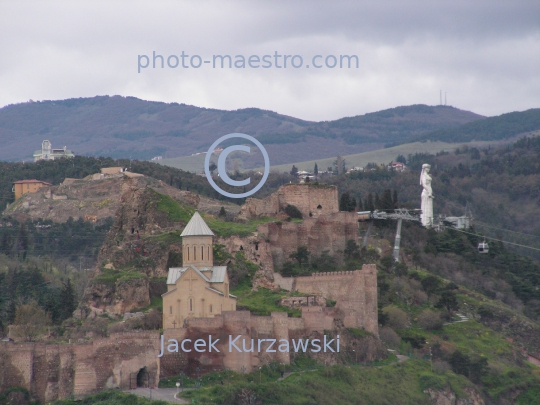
312 200
355 293
324 233
58 371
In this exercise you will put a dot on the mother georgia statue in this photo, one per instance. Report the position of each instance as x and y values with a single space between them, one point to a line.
427 197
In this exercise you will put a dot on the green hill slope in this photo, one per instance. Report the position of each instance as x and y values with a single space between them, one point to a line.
491 129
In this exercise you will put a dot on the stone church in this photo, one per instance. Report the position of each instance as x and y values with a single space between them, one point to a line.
198 289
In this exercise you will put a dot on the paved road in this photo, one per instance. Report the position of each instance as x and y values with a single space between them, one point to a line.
164 394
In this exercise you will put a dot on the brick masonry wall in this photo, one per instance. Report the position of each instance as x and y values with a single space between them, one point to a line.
53 372
311 200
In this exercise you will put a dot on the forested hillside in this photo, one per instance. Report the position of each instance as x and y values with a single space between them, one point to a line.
491 129
124 127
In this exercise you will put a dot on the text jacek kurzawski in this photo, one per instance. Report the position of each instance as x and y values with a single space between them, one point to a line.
240 345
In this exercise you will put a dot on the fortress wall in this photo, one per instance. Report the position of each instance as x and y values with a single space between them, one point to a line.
285 283
311 200
318 318
308 198
326 232
331 285
55 371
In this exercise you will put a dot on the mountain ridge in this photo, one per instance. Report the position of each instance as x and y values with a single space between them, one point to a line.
124 127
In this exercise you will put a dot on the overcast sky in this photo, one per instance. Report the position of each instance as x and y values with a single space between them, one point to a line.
484 54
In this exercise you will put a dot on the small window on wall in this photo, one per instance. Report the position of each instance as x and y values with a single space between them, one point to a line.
210 308
170 310
191 305
194 252
202 252
188 253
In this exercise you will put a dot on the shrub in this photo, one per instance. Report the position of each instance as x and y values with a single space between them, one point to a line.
430 320
97 326
389 337
441 367
397 318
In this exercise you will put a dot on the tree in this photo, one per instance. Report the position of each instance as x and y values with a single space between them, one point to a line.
478 369
352 250
448 300
67 301
431 284
288 269
386 202
294 171
387 262
369 204
339 165
21 244
430 320
222 213
301 255
377 202
460 363
347 203
325 262
212 167
401 159
30 321
395 199
316 170
397 318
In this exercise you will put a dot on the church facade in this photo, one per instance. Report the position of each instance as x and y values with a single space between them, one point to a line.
198 289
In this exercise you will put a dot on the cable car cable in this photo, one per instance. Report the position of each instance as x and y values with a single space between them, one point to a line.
498 240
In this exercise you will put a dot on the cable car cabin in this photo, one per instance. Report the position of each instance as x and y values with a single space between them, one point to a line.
483 247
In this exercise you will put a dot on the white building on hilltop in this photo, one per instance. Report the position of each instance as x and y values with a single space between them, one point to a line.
48 153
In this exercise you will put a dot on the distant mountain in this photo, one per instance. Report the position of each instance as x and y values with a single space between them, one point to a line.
123 127
490 129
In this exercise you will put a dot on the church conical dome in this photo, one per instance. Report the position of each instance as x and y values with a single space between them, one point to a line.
197 227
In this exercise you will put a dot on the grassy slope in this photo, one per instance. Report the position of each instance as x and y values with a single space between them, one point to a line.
378 156
178 212
401 383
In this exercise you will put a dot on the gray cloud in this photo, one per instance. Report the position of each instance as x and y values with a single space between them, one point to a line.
484 54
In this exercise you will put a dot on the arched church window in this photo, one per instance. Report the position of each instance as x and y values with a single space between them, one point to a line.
191 305
170 310
188 253
202 252
210 308
194 252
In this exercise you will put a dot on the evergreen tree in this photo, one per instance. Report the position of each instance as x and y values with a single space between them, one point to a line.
369 204
301 255
222 212
294 171
316 170
67 302
352 250
395 199
449 301
21 245
386 200
377 202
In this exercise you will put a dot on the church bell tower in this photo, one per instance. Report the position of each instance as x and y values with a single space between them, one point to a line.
197 240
